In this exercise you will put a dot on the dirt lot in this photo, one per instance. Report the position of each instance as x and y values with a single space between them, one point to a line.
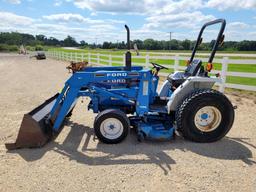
76 161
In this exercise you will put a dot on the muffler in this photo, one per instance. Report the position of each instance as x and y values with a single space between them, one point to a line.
35 129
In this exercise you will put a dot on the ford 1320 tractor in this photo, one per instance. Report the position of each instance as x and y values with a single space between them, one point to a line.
125 97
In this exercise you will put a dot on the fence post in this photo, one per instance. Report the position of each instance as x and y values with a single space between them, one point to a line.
124 58
147 61
224 69
98 58
89 58
82 56
110 60
176 62
71 56
75 56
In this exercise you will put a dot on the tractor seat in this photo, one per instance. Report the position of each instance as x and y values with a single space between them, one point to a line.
193 69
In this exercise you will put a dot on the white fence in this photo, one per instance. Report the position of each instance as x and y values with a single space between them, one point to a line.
110 59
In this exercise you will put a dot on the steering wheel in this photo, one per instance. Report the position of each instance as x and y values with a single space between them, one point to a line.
158 67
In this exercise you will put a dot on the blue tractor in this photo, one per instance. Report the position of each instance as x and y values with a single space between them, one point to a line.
125 97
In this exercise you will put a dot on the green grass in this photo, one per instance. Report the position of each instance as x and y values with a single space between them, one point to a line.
217 66
120 52
241 80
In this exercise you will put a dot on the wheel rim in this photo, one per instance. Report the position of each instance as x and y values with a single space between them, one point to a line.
207 118
111 128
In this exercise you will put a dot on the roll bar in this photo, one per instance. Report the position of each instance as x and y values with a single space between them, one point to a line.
218 41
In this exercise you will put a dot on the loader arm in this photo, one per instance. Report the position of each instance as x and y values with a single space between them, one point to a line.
74 88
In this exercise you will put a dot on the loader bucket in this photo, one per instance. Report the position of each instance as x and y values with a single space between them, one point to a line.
34 132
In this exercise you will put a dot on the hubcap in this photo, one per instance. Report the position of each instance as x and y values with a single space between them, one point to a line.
111 128
207 118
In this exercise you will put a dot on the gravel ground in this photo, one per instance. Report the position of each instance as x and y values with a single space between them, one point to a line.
76 161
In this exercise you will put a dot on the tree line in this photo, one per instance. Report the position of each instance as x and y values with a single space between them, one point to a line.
11 41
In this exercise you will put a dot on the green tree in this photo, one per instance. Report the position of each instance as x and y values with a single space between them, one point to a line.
83 43
42 38
70 42
106 45
150 44
186 44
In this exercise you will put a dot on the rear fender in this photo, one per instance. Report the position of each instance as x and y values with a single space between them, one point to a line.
190 85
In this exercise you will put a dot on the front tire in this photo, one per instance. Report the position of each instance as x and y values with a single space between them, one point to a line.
205 116
111 126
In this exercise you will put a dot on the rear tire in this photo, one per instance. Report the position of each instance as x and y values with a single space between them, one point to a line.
111 126
205 116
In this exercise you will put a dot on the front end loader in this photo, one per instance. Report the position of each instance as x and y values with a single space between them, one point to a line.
127 96
33 130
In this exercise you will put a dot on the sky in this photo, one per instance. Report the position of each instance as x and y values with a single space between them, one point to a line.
96 21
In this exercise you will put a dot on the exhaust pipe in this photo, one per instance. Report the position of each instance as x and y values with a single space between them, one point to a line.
34 130
128 56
